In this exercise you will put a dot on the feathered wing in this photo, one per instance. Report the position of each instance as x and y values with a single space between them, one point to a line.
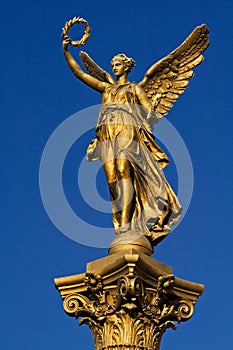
94 70
169 77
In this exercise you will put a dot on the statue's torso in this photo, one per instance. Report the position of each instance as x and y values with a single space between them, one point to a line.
123 93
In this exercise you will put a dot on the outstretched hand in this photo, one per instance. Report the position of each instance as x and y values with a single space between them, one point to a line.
65 42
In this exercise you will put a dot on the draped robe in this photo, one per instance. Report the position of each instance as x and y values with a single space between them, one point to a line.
123 131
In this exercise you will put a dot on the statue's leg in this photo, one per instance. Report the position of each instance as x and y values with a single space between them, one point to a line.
110 172
124 175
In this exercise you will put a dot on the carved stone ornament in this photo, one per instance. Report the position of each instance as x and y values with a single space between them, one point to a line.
131 303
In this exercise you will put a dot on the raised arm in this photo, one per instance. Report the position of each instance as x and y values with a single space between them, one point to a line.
78 72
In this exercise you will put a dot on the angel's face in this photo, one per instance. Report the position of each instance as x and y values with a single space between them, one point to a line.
118 68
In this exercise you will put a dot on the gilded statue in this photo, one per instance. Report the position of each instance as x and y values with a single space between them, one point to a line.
142 200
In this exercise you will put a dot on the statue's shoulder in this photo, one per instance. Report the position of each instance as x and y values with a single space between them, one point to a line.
109 87
136 89
135 86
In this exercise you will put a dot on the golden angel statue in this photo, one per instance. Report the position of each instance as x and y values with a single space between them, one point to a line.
142 199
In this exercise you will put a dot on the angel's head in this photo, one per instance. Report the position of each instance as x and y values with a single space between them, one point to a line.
122 64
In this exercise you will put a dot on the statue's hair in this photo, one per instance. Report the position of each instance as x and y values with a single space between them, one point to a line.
128 62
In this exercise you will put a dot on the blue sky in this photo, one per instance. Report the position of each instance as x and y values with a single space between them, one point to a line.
39 93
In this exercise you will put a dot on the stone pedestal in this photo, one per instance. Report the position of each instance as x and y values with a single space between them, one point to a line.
128 299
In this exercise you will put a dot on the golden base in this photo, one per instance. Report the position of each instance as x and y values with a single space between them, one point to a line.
130 239
128 299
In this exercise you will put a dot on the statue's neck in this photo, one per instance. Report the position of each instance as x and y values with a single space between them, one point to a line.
122 80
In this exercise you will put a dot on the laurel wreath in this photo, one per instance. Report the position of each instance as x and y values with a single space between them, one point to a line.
85 36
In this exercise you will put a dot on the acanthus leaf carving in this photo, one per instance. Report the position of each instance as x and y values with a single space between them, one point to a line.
128 314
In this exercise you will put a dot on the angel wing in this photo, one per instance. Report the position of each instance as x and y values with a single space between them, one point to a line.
169 77
95 70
